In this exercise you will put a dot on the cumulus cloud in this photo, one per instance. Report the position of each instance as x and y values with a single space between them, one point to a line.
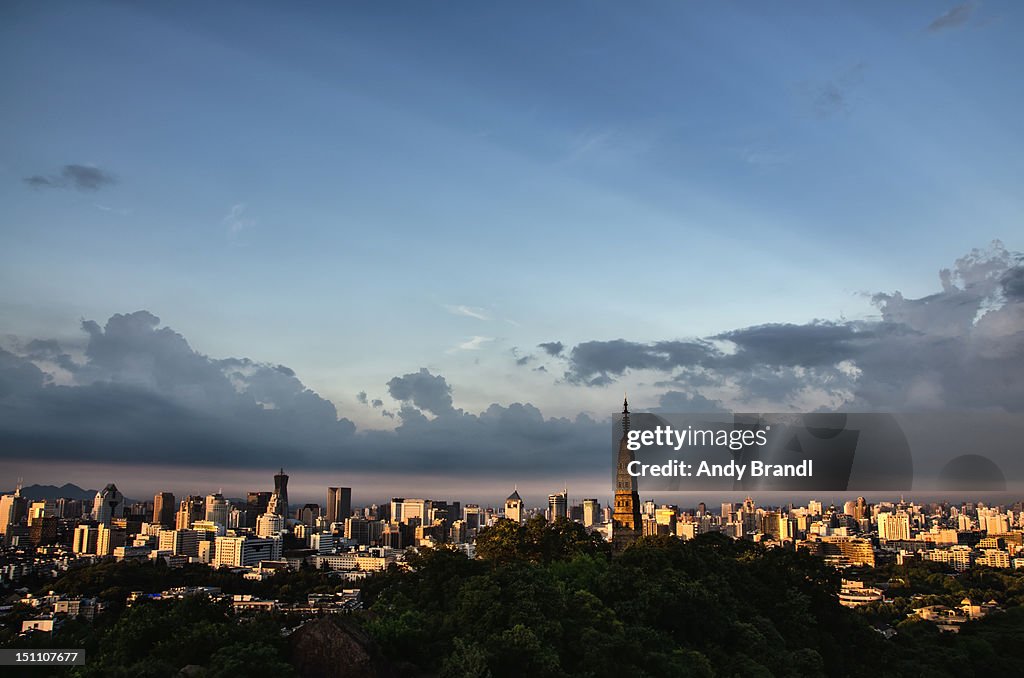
954 18
961 347
426 391
361 397
78 177
552 348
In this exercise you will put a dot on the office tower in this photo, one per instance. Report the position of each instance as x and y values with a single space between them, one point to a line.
216 510
727 509
259 501
163 509
108 539
188 512
558 505
860 509
108 504
269 525
514 507
13 508
364 531
814 507
339 504
404 511
85 539
279 499
591 512
308 514
626 525
892 526
473 516
245 551
179 542
702 508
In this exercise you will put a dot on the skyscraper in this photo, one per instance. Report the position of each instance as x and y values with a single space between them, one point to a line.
279 499
558 505
108 504
217 509
626 525
339 504
163 509
591 512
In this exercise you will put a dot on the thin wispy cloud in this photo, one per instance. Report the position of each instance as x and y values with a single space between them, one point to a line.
467 311
237 220
954 18
77 177
474 343
123 211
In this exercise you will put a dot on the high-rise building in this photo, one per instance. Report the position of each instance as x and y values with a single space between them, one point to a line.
269 525
259 501
558 505
308 514
893 526
107 539
279 499
473 516
591 512
163 509
217 508
339 504
245 551
190 510
108 504
626 525
514 507
85 539
404 511
179 542
13 508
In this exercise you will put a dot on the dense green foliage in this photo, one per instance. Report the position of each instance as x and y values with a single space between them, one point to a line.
549 600
542 602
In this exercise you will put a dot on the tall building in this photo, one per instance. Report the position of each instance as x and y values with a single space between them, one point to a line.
163 509
217 508
108 504
514 507
893 526
259 501
339 504
626 525
13 507
269 525
558 505
591 512
190 510
403 510
279 499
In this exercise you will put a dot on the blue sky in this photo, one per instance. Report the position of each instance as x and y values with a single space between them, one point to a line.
358 192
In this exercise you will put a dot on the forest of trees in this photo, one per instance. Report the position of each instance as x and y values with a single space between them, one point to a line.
550 600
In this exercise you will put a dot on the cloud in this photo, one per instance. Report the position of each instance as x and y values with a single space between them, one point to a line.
961 347
831 97
426 391
468 312
361 397
377 402
954 18
142 394
236 219
552 348
78 177
474 343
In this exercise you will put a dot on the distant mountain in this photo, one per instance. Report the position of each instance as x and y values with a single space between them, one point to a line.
67 491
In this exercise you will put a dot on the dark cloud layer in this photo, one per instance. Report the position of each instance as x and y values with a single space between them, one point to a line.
79 177
962 347
141 394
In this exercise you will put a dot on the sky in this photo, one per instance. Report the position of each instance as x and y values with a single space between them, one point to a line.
400 242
